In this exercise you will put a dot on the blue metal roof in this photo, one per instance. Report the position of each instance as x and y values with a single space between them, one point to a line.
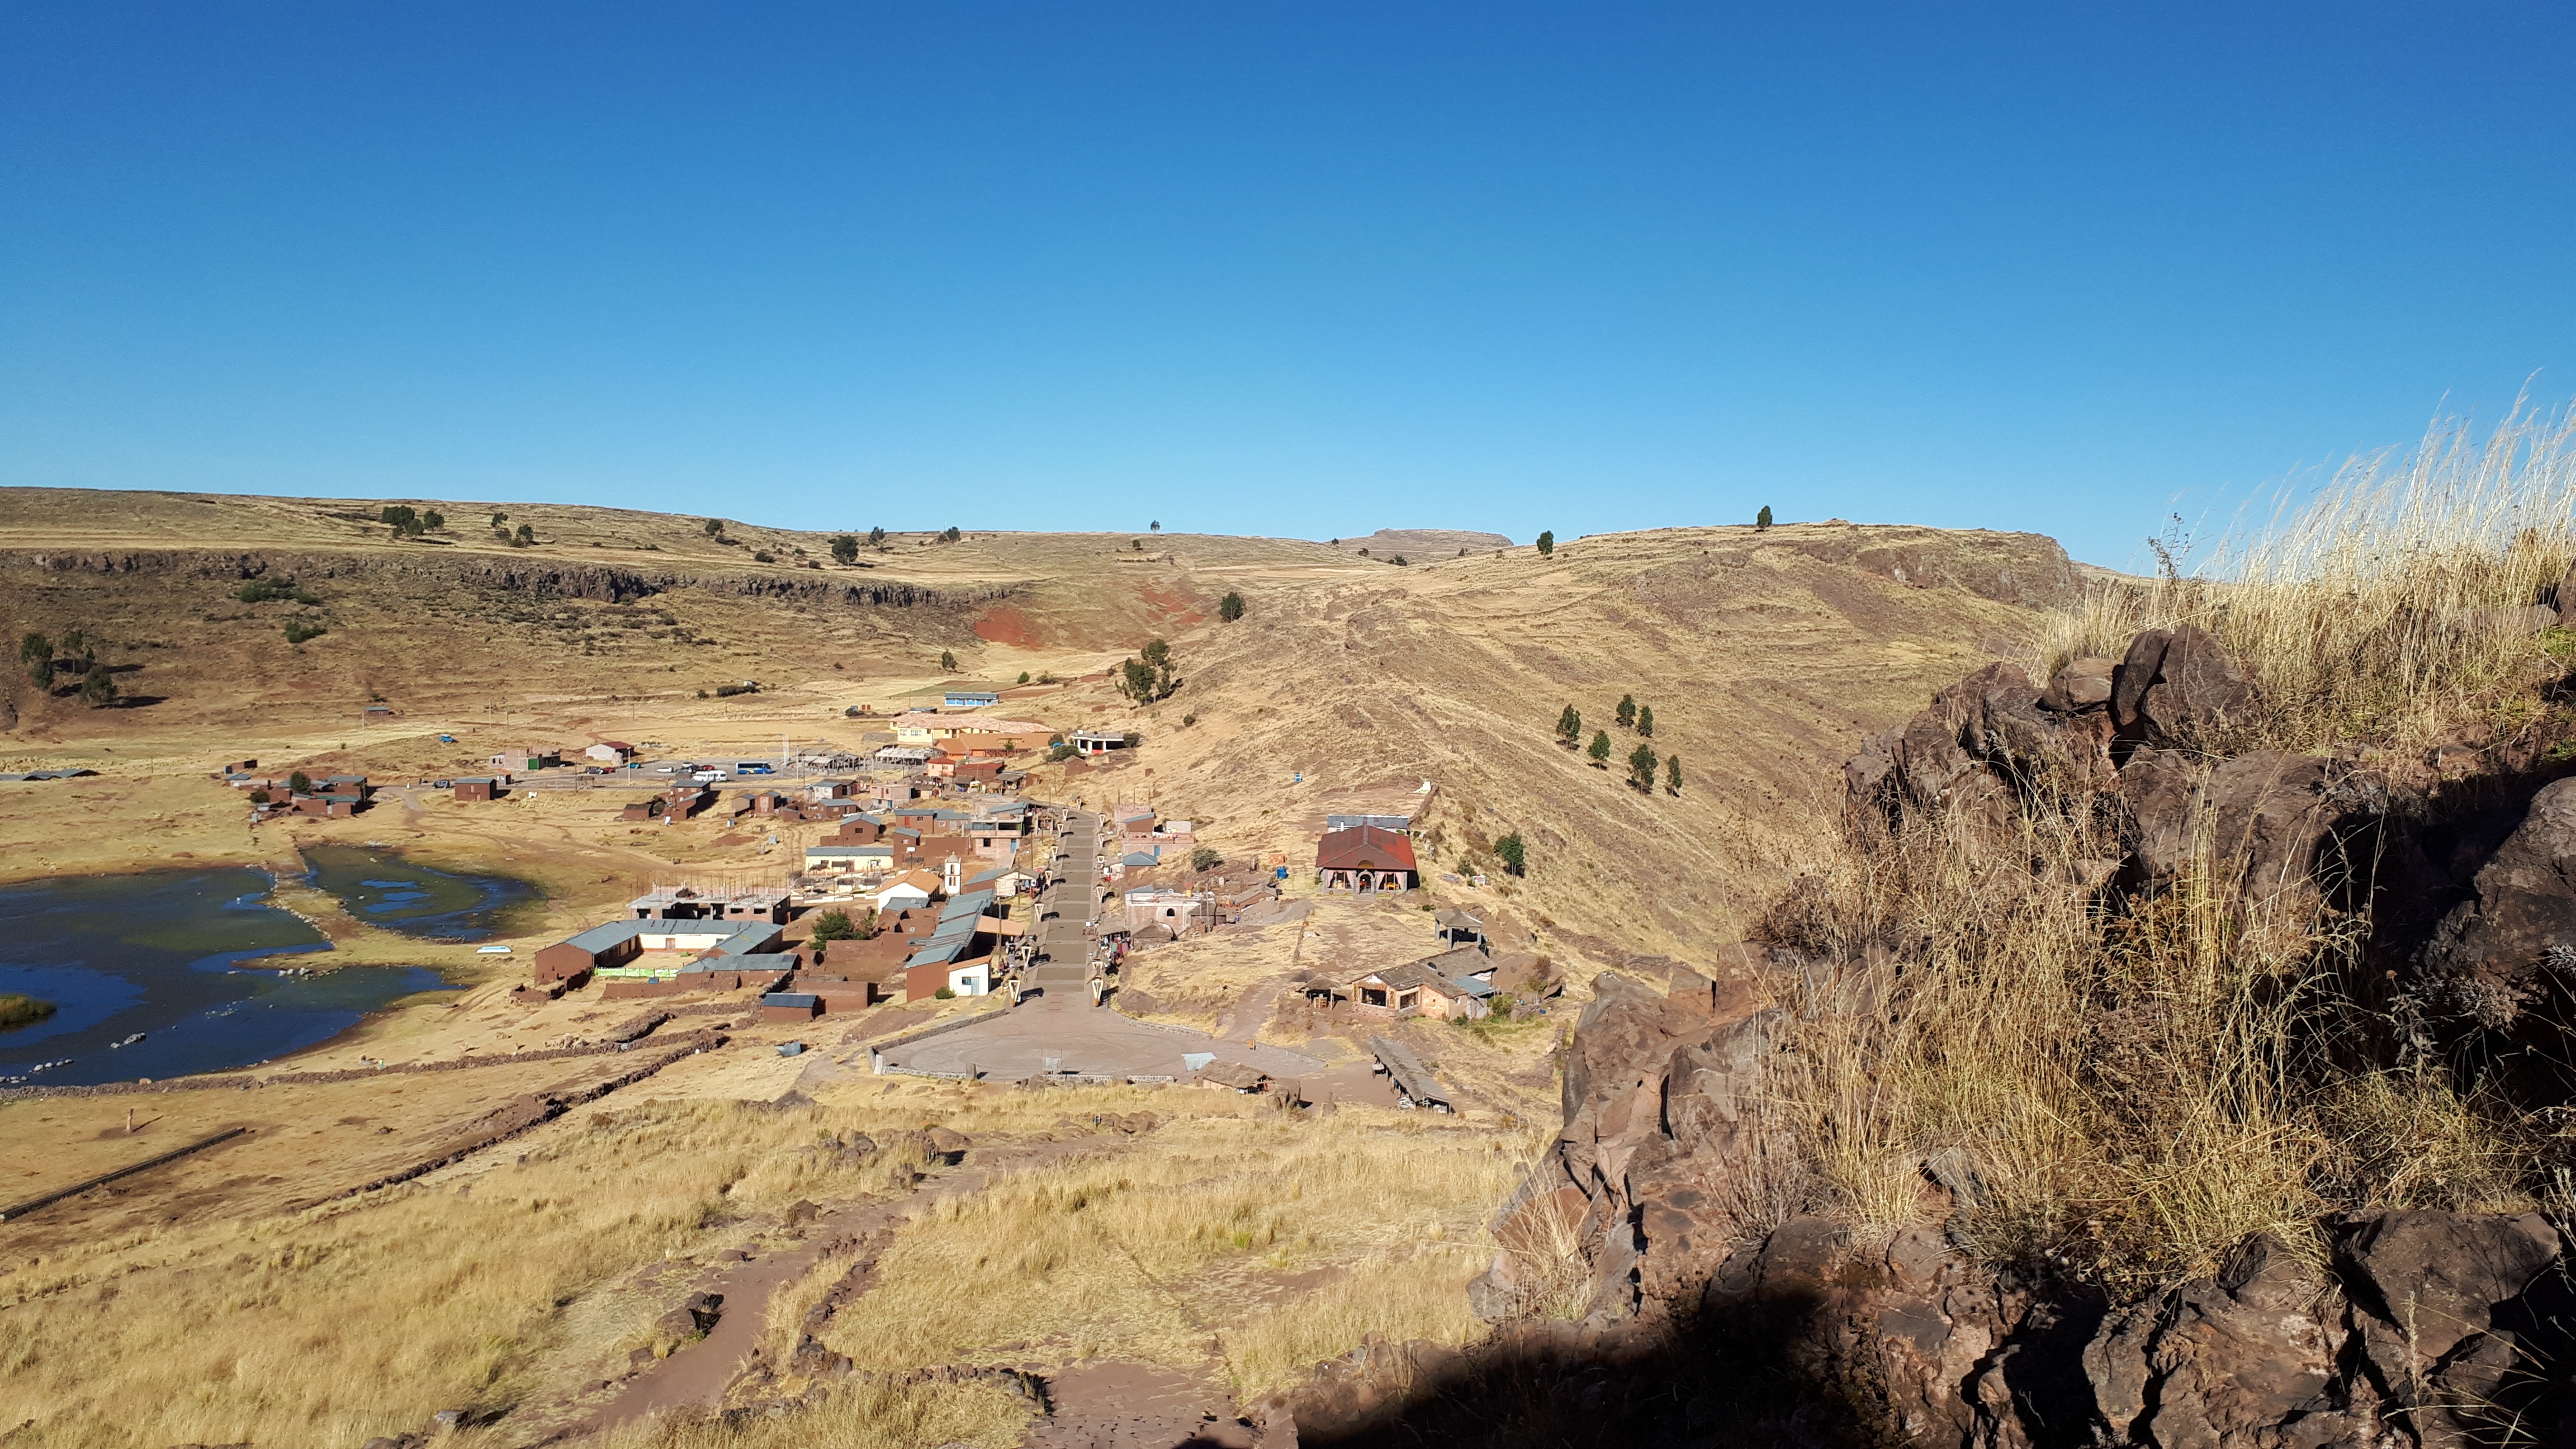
940 950
788 998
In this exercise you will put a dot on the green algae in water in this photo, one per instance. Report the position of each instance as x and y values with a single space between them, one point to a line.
18 1010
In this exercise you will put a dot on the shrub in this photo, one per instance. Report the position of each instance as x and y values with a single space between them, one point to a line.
259 797
948 661
1059 754
524 537
261 591
1024 676
299 630
715 527
300 783
1205 858
835 925
762 555
98 687
950 534
845 548
36 652
876 538
1230 608
728 691
945 994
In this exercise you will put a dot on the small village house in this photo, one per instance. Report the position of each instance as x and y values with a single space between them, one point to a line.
610 752
1178 912
477 787
1366 858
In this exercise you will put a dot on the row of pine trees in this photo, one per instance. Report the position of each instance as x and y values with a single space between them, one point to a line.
1642 762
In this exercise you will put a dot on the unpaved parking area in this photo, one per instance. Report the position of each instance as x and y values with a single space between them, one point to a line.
1069 1034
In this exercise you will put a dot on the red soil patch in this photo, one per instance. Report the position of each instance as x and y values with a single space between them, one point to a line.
1007 626
1170 605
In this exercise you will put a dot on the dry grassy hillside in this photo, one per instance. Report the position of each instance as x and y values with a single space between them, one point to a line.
604 602
1764 656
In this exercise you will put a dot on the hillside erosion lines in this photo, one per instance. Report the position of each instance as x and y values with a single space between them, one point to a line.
539 577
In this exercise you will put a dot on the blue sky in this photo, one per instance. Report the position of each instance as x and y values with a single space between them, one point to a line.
1304 270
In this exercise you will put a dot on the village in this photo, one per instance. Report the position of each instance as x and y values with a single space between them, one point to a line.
963 930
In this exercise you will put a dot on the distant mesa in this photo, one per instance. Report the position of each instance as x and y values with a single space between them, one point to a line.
1421 543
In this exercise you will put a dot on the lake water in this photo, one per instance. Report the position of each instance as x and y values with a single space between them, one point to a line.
381 888
156 953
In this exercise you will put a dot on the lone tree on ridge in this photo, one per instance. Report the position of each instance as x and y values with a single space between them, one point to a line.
1546 542
1762 520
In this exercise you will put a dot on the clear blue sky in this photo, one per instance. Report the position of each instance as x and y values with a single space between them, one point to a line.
1302 270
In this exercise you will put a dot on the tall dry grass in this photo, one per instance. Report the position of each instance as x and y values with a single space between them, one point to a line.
1260 1243
2000 1057
2380 609
2128 1087
484 1287
863 1416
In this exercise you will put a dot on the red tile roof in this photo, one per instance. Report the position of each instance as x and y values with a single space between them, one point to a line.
1365 847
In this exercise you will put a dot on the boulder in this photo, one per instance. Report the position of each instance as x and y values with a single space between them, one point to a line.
2135 672
2496 952
2432 1279
2274 823
694 1318
2197 689
2084 684
2245 1358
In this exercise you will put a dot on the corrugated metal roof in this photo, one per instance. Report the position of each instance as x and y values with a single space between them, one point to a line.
738 938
